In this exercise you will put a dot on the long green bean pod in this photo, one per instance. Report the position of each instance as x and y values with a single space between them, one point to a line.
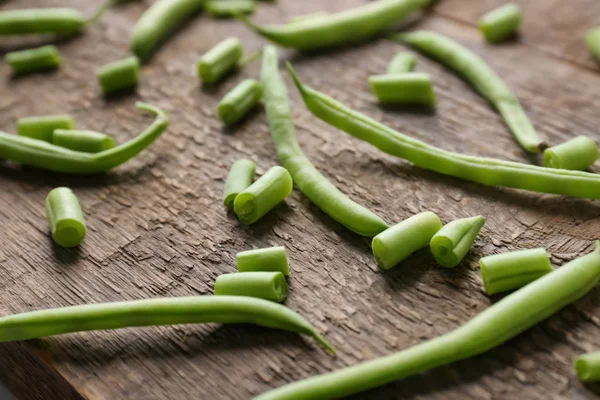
59 21
308 179
42 58
264 285
452 243
268 259
501 23
240 177
588 367
44 155
355 25
483 78
487 171
43 127
65 217
407 88
155 312
79 140
502 321
578 153
401 63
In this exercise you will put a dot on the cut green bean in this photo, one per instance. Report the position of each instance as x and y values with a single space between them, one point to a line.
33 60
592 39
501 23
86 141
510 271
408 88
452 243
308 17
263 285
497 324
402 63
268 259
588 367
393 245
119 75
479 74
42 127
576 154
239 179
65 218
229 8
308 179
239 101
220 60
59 21
263 195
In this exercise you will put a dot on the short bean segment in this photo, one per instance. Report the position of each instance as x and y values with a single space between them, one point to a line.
229 8
263 285
65 217
452 243
479 74
510 271
408 88
401 63
501 23
119 75
33 60
401 240
588 367
267 259
80 140
239 101
42 127
240 177
592 39
576 154
220 60
59 21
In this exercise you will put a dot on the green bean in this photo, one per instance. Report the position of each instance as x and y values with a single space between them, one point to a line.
158 22
509 271
268 259
401 240
119 75
485 81
59 21
577 154
263 285
310 181
239 179
452 243
497 324
41 128
33 60
155 312
359 24
229 8
239 101
588 367
86 141
307 17
40 154
592 39
263 195
220 60
65 218
487 171
402 63
407 88
501 23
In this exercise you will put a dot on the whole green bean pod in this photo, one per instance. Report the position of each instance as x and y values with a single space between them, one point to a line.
578 154
119 75
263 285
40 154
43 127
502 321
407 88
239 101
588 367
479 74
358 24
65 217
229 8
79 140
592 39
220 60
155 312
59 21
487 171
268 259
452 243
401 63
308 179
33 60
240 177
501 23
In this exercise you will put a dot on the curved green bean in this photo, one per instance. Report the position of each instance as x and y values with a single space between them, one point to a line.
501 23
42 58
479 74
588 367
263 285
452 243
220 60
239 101
497 324
487 171
42 127
229 8
309 16
407 88
119 75
577 154
308 179
86 141
267 259
65 217
358 24
40 154
60 21
592 39
401 63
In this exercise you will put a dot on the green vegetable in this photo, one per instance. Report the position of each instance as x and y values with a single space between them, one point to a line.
407 88
307 17
501 23
229 8
41 128
452 243
239 101
59 21
220 60
86 141
401 63
401 240
239 179
119 75
577 154
588 367
33 60
264 285
592 39
268 259
65 218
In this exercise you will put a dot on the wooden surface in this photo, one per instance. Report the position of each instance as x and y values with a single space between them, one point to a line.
157 226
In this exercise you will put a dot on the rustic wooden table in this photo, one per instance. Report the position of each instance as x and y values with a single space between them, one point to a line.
157 226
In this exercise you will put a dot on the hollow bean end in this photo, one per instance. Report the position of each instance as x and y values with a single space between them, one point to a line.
65 217
587 367
454 240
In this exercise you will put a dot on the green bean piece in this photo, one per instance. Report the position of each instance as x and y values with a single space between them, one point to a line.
308 17
42 127
220 60
33 60
156 312
38 153
239 101
588 367
592 39
576 154
158 22
79 140
65 218
59 21
487 171
483 78
401 63
408 88
501 23
119 75
273 259
239 179
510 271
263 195
393 245
452 243
263 285
355 25
497 324
308 179
229 8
